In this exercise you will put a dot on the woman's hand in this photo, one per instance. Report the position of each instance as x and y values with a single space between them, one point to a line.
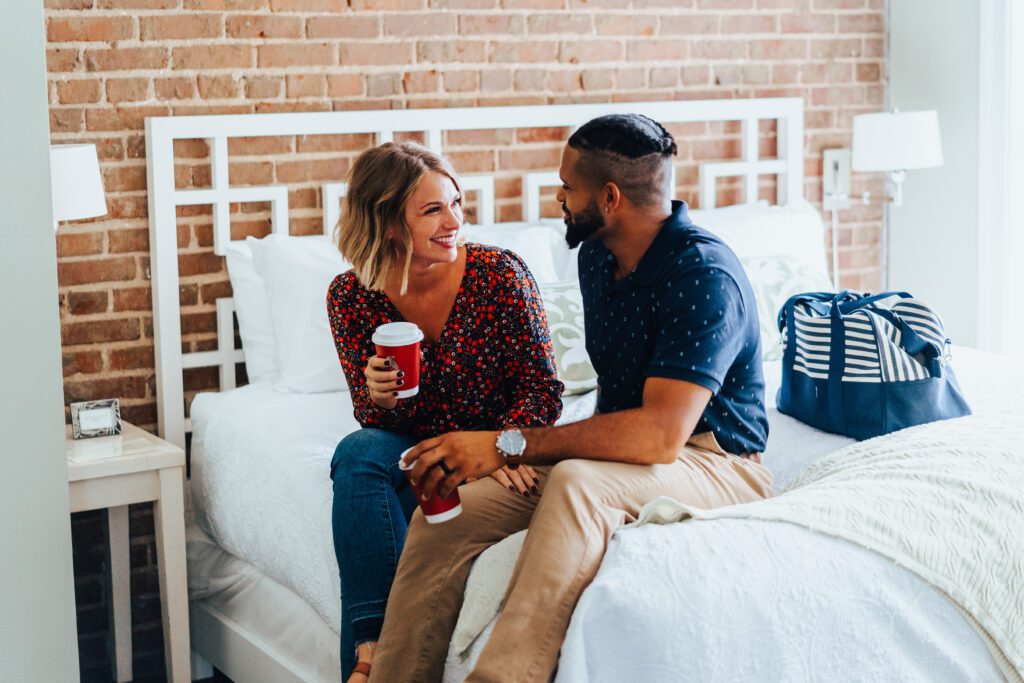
522 480
383 379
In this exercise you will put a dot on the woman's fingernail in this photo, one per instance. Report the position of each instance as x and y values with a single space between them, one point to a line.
387 363
401 374
535 490
512 488
399 383
394 393
526 493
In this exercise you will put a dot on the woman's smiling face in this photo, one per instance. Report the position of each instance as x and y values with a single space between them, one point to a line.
434 216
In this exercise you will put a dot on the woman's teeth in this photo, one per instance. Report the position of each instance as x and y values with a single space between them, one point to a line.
444 241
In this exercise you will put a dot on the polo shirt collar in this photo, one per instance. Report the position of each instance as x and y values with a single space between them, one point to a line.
660 251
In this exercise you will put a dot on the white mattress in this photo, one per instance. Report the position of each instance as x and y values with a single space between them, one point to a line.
261 491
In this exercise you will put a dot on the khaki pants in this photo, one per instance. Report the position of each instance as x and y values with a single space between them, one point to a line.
581 505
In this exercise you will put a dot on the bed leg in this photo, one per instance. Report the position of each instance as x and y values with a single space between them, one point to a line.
201 669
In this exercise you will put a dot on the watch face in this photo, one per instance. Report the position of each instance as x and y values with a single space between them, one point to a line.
512 442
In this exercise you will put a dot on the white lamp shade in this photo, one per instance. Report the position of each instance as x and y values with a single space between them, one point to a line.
76 186
897 141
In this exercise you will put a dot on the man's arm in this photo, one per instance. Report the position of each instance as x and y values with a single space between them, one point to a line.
649 435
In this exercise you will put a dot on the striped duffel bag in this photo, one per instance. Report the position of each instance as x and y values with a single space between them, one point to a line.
863 365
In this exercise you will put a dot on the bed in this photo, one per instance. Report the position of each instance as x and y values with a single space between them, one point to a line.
264 593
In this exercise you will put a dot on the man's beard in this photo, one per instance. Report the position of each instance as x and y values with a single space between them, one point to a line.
581 226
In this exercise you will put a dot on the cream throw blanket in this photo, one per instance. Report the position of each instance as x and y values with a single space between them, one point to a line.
945 500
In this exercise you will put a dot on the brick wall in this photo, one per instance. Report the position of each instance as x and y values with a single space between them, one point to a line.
114 62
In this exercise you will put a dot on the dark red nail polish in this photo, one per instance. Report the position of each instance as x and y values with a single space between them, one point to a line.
512 489
535 490
394 393
401 374
399 383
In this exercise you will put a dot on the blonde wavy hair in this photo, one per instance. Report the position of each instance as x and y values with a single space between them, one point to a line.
379 185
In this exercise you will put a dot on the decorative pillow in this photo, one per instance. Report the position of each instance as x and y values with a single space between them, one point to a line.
542 246
252 306
775 279
794 231
563 305
297 272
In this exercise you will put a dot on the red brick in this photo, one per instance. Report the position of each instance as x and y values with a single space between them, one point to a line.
463 4
210 292
419 24
598 79
87 303
93 332
182 26
689 24
749 23
387 4
461 81
571 24
80 91
366 54
63 59
306 85
219 5
317 169
334 143
127 90
121 118
82 362
88 29
862 23
79 243
530 158
695 75
344 26
199 264
212 57
345 85
112 387
658 50
664 77
308 5
631 77
67 120
495 80
264 26
418 82
261 87
808 23
132 358
842 48
520 52
383 85
725 4
68 4
70 273
530 79
127 207
533 4
126 59
135 240
778 49
626 25
178 88
291 106
132 299
139 4
869 72
491 24
296 54
219 87
590 51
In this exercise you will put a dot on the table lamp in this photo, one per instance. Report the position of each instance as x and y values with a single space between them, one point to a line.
76 187
896 142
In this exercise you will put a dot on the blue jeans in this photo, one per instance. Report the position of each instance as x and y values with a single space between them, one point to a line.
372 506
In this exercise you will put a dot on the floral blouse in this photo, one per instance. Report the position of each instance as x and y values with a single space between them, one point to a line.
492 367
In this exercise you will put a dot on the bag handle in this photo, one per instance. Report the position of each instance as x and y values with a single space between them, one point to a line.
912 342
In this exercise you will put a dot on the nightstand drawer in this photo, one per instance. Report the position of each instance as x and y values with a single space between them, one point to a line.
93 494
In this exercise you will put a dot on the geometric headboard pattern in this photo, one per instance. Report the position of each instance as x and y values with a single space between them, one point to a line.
165 197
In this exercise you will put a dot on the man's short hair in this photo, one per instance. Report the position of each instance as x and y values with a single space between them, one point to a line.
630 150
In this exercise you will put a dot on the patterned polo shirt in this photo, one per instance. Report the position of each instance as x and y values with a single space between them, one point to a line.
688 313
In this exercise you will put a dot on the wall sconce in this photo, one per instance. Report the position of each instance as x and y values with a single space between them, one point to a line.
890 142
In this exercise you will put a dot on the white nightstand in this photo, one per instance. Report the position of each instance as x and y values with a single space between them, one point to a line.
135 467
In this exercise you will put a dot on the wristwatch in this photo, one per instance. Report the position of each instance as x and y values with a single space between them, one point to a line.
512 444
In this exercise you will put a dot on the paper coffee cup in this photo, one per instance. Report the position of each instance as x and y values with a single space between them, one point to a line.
435 509
401 343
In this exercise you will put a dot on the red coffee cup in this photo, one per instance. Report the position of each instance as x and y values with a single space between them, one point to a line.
436 509
401 343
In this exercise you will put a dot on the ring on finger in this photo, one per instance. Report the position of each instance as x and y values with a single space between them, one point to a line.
444 467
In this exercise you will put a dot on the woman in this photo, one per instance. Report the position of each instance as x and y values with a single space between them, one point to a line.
486 362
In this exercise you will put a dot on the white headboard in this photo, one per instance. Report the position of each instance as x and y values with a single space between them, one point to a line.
164 197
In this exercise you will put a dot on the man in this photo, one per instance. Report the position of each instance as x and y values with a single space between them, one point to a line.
672 330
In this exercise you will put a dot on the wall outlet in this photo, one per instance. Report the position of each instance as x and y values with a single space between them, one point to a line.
835 175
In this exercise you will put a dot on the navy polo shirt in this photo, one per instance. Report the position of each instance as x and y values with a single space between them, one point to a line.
687 312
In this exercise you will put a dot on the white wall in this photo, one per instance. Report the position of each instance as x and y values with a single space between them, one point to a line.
37 607
933 237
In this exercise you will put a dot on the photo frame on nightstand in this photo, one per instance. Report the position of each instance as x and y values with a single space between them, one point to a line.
96 418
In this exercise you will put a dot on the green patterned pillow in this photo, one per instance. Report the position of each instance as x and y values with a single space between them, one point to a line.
563 304
774 279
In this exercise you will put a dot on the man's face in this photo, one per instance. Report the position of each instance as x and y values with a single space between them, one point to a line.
582 216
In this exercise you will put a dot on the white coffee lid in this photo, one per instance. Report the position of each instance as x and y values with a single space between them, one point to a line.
397 334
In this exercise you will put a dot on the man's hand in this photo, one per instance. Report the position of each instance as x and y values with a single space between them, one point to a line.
467 455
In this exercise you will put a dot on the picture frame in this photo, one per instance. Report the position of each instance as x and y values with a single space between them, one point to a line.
96 418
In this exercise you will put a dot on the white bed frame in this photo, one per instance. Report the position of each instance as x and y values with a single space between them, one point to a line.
215 637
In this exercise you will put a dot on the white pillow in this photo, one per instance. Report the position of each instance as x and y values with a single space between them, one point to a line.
563 306
297 272
252 306
794 231
542 246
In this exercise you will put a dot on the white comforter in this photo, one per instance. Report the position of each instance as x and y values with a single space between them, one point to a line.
261 490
